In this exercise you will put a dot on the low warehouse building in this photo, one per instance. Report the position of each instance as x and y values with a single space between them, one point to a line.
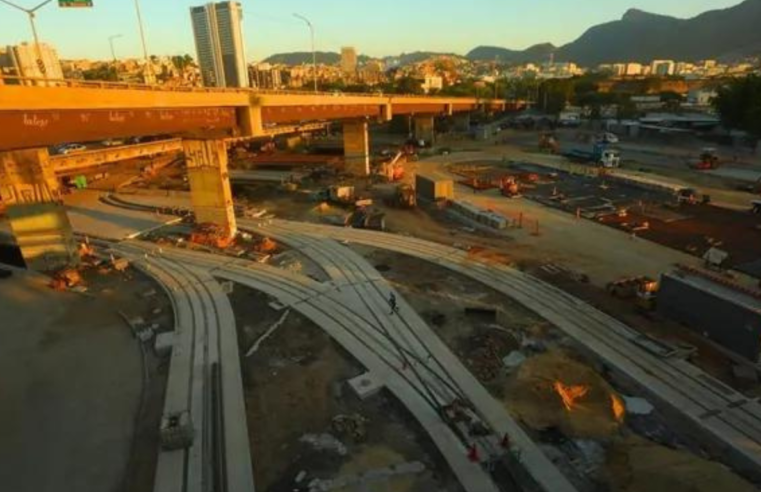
726 313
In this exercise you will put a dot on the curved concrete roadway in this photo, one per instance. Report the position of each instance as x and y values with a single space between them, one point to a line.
731 419
205 339
328 306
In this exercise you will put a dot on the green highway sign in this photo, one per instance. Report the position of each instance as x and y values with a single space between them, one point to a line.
75 3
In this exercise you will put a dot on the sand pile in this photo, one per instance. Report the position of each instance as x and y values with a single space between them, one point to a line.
554 391
637 465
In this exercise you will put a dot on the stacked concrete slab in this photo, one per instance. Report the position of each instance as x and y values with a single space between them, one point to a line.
477 214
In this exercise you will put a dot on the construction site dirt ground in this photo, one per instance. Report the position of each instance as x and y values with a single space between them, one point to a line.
538 255
295 386
77 413
655 216
692 229
587 443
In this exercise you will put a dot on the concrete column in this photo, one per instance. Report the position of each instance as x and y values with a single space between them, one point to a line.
37 216
424 129
462 122
209 180
386 113
250 121
356 148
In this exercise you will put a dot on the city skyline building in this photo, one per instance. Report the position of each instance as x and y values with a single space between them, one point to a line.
22 61
349 60
219 44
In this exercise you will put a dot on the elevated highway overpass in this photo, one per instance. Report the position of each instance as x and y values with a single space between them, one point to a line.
72 111
204 121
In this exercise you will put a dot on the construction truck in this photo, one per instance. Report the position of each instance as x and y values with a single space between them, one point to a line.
642 289
707 161
367 218
602 155
339 195
404 196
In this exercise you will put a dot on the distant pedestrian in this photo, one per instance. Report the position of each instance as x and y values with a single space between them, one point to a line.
392 303
505 442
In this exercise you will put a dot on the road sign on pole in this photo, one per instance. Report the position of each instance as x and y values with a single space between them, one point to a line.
75 3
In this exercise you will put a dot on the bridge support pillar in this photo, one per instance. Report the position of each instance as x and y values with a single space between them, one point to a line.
424 129
209 180
250 121
36 214
386 113
356 147
462 122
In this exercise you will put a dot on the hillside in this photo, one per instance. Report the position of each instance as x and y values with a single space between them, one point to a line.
415 57
730 34
302 57
536 53
642 36
331 58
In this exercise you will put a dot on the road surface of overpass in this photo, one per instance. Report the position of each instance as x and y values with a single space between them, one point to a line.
76 111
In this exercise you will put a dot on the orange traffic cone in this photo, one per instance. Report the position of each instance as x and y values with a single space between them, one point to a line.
473 453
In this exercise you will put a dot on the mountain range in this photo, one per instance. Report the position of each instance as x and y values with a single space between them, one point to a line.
725 34
331 58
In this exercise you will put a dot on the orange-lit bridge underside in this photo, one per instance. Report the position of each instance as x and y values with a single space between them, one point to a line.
32 116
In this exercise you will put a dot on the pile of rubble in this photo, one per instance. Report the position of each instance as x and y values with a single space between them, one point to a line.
485 353
352 426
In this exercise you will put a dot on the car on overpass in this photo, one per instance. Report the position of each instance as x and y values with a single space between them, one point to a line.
71 148
114 142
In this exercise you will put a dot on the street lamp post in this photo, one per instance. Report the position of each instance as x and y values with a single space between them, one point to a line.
31 13
111 43
314 53
148 65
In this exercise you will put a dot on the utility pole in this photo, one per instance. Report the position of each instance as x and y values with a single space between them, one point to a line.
148 65
111 43
31 13
314 53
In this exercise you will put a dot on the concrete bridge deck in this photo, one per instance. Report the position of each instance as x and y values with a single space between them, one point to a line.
71 111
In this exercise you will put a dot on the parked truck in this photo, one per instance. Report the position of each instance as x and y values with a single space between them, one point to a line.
601 154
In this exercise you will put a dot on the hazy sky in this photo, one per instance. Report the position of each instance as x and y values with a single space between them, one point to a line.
375 27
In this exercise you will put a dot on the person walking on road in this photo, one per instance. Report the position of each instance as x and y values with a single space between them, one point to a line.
392 303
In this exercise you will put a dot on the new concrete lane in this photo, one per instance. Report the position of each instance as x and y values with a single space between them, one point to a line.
369 291
347 324
733 421
205 335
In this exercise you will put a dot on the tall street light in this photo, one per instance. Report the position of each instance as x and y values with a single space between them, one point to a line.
314 53
111 43
31 13
148 65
